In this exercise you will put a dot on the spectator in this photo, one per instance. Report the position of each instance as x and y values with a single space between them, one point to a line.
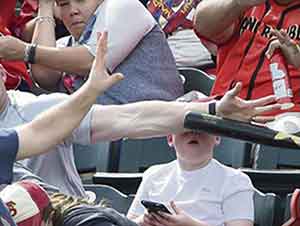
45 129
201 191
134 120
242 29
56 209
175 18
141 54
137 48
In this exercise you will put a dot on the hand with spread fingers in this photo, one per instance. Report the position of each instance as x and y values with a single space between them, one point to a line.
233 107
289 47
178 218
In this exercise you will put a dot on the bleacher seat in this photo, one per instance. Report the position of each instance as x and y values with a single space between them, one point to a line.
233 152
136 155
127 183
111 196
196 79
266 209
91 160
277 158
280 182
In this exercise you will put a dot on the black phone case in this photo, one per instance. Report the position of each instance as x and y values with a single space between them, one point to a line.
155 207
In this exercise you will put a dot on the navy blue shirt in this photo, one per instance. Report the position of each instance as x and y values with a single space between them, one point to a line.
9 145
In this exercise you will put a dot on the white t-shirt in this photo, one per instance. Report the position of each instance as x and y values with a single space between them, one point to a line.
212 194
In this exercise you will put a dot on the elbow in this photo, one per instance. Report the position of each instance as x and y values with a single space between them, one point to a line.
46 79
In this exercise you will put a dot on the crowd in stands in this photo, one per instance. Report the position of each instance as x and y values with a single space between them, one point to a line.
109 70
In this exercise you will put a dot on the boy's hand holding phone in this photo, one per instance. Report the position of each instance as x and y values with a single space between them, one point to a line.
179 218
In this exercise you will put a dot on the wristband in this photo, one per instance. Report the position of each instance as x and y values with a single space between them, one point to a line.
29 54
212 108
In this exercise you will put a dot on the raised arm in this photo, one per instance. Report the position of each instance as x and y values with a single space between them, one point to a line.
51 61
214 19
52 126
159 118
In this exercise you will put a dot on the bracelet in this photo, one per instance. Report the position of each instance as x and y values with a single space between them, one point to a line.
212 108
45 18
29 53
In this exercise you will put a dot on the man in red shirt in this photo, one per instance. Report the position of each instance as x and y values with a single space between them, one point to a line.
242 29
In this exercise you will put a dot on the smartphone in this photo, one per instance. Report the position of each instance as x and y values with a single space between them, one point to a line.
155 206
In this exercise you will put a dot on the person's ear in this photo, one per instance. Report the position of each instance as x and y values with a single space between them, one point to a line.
170 140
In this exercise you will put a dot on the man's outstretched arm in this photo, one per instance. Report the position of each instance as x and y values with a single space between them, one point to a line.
52 126
160 118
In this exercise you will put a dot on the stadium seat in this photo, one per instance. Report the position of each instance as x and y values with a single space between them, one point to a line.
91 160
266 209
111 196
233 152
127 183
138 155
280 182
277 158
196 79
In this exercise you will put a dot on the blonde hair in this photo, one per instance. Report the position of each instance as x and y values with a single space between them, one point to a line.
61 204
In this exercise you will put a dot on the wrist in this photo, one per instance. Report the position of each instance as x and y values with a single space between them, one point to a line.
46 9
29 53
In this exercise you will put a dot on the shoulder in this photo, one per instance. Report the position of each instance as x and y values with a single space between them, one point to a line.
160 170
232 177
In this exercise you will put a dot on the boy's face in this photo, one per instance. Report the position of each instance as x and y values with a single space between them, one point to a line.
76 13
193 147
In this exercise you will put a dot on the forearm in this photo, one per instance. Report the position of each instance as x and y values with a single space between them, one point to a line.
141 120
75 60
213 17
52 126
44 34
44 30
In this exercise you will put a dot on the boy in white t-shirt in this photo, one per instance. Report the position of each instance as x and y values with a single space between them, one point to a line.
200 190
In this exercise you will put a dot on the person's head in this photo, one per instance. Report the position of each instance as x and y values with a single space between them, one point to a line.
76 13
30 205
193 149
27 203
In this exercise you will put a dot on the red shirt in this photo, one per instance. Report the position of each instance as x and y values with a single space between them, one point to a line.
243 57
15 70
